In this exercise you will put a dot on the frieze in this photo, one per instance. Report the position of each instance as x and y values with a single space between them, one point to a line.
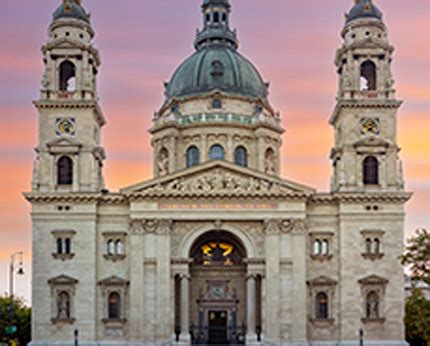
220 183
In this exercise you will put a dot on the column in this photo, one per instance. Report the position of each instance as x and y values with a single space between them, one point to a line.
163 280
299 322
185 309
272 289
251 294
135 256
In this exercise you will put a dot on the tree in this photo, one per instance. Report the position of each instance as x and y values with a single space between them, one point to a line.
417 256
417 319
14 312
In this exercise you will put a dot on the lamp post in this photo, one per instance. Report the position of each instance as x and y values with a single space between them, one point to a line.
16 256
361 333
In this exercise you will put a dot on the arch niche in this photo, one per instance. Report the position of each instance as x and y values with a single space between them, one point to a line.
218 270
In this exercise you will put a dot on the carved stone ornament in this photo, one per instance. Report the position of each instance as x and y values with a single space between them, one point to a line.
151 226
136 227
277 226
300 226
164 226
221 182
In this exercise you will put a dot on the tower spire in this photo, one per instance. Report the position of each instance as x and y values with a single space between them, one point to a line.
216 25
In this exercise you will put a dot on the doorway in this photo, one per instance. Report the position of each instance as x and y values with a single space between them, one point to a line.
218 327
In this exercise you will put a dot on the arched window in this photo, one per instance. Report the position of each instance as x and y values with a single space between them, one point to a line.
63 306
216 152
376 246
193 156
325 248
370 171
59 246
65 171
372 305
114 306
217 104
119 247
317 247
216 17
368 246
368 76
67 76
241 156
322 305
68 246
111 247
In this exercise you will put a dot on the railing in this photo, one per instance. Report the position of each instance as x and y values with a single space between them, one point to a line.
368 94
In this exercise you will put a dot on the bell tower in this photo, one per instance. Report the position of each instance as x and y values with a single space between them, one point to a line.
365 154
69 154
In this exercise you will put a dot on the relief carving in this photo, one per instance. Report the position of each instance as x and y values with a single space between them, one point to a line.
300 226
220 182
277 226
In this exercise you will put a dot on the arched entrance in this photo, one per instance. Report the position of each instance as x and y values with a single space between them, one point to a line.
218 289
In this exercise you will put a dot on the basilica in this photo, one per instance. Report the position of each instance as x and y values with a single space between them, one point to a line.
217 247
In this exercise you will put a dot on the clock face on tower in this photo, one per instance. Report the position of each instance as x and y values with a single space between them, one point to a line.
65 126
370 126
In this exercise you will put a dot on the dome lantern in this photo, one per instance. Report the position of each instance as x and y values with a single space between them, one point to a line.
216 64
216 25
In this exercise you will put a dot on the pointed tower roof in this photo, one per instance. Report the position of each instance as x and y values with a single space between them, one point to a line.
71 9
364 9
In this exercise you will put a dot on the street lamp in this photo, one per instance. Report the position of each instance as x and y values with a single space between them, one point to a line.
17 257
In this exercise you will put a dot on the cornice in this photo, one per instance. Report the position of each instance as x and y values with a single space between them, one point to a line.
216 93
387 197
334 198
358 104
73 104
58 44
118 198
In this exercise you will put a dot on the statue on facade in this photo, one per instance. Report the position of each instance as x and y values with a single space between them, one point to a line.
163 162
269 162
63 306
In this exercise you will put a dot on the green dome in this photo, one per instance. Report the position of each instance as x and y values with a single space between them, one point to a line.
217 67
71 9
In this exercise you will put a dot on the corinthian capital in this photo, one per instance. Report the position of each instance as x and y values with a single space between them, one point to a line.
277 226
300 226
164 226
136 227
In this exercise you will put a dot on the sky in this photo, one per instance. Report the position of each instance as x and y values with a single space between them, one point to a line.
292 43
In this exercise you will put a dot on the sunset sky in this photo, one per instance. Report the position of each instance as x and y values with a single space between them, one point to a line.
292 43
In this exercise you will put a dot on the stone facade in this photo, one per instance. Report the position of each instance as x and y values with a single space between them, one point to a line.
217 246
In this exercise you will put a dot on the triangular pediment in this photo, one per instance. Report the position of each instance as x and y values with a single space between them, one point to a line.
373 280
64 142
372 141
62 280
322 281
113 281
65 42
219 179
